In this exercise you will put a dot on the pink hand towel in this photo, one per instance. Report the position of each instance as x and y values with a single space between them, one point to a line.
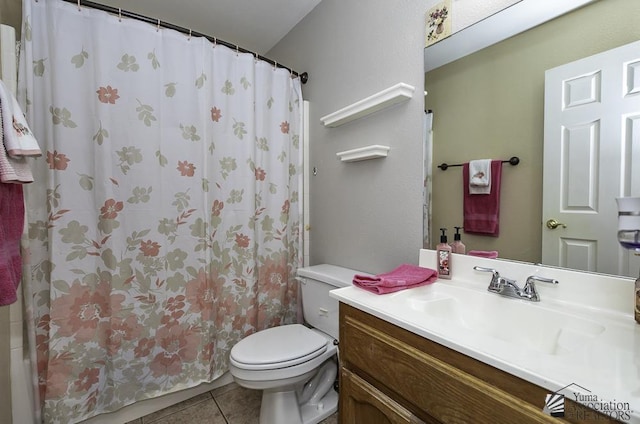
482 211
406 276
11 223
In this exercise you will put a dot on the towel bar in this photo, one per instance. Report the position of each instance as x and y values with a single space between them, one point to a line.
514 160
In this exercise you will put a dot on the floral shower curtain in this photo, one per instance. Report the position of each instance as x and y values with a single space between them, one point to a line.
165 221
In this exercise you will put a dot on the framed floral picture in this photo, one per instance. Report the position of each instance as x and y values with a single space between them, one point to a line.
438 22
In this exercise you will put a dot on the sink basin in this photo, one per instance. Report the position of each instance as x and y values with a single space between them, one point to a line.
519 323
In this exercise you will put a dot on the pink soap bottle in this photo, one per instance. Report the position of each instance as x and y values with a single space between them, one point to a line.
457 246
443 256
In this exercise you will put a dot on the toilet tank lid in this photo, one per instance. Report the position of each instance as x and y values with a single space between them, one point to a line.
330 274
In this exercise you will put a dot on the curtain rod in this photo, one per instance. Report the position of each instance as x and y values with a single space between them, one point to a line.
304 77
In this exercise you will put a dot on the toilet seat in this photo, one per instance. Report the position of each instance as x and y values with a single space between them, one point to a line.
278 347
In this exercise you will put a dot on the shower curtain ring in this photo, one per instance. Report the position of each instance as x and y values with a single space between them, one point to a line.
79 8
119 15
189 34
158 27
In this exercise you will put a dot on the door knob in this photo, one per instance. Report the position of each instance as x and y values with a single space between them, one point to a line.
552 224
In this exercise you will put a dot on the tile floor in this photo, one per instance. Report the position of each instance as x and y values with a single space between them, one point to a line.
230 404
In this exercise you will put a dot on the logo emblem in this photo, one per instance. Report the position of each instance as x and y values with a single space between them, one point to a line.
554 405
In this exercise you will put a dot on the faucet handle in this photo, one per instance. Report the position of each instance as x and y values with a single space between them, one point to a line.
533 278
495 284
495 273
530 290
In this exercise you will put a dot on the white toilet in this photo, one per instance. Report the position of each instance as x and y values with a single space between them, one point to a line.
296 366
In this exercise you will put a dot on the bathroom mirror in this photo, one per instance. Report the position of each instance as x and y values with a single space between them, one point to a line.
490 104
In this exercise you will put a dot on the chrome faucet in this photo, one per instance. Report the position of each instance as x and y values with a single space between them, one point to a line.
509 288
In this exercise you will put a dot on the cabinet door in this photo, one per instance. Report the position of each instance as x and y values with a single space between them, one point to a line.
361 403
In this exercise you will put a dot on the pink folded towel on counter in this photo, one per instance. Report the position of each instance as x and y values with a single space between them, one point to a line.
489 254
406 276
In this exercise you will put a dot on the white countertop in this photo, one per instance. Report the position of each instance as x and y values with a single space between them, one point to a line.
607 366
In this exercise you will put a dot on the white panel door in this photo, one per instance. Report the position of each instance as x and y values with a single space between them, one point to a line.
591 156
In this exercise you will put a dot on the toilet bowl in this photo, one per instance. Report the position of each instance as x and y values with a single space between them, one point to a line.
296 365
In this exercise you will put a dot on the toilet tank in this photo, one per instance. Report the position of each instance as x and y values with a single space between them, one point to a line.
321 311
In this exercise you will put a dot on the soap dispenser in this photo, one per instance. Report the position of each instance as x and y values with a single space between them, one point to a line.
457 246
443 255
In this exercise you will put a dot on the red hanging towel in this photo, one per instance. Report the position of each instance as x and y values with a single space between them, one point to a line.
482 211
11 224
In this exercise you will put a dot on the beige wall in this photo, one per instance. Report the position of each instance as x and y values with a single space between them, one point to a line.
490 105
11 14
364 215
5 367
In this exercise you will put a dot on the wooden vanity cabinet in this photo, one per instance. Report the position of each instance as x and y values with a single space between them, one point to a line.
390 375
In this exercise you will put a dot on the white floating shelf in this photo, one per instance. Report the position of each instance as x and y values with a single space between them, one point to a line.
398 93
363 153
